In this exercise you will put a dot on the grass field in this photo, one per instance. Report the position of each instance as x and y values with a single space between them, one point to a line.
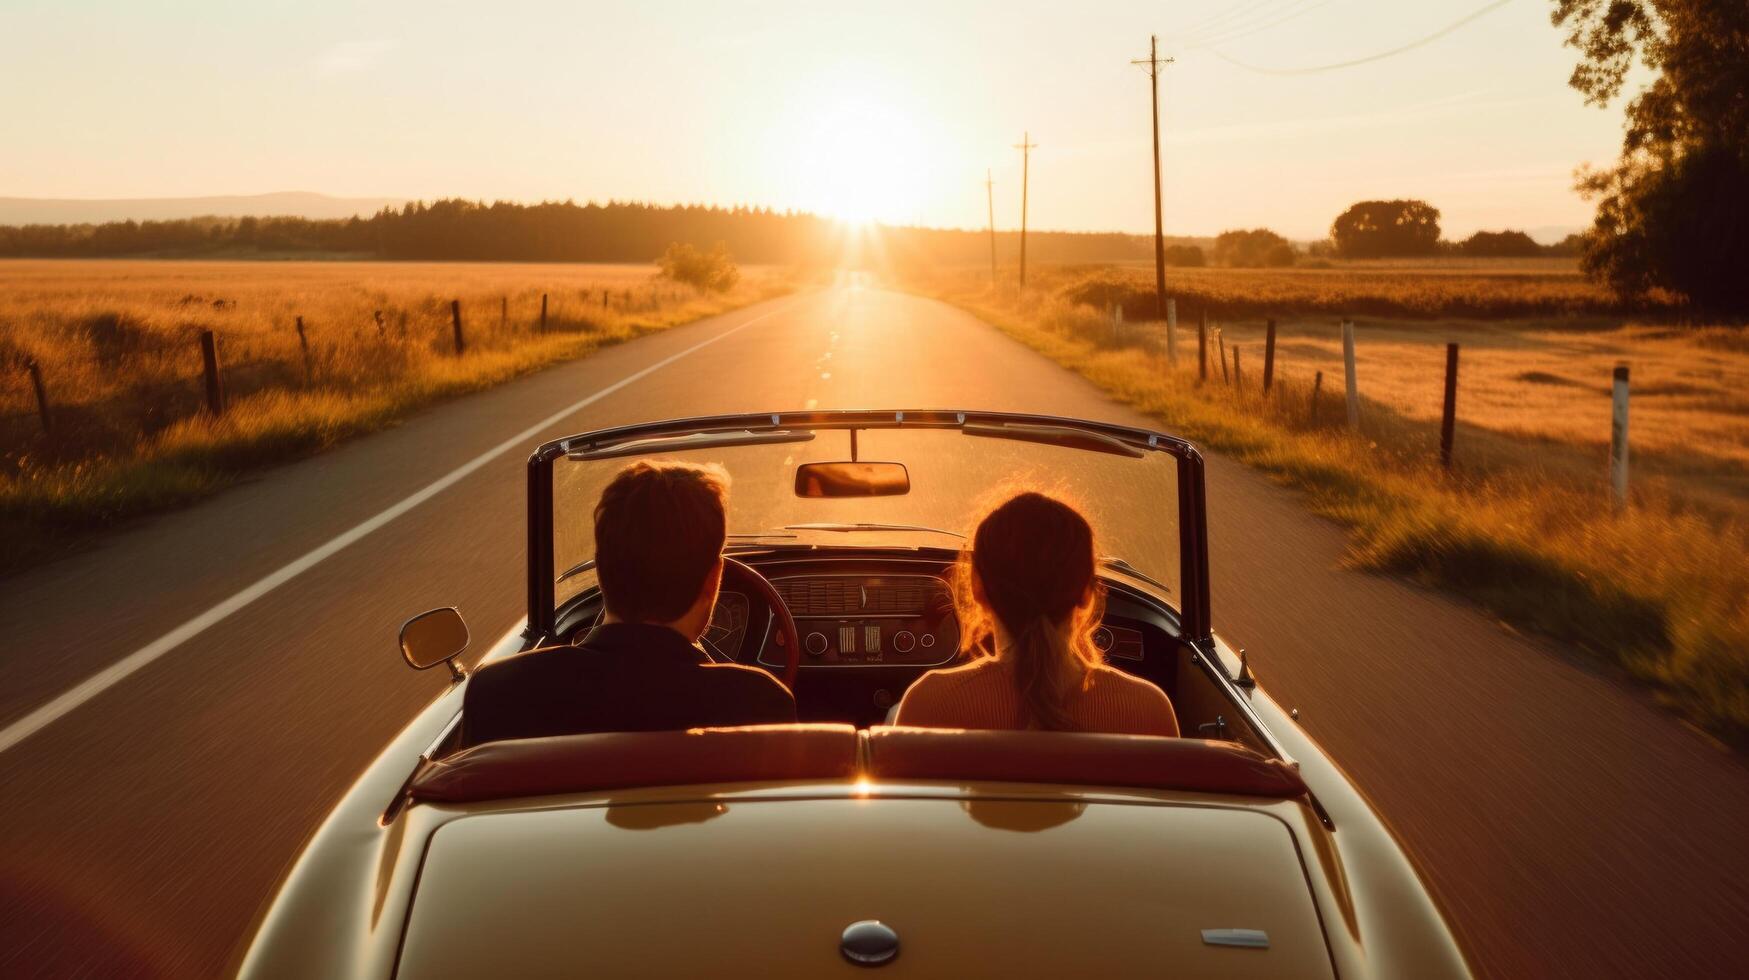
1523 524
117 345
1408 289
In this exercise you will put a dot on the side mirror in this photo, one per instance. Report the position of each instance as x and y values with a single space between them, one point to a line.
852 479
435 637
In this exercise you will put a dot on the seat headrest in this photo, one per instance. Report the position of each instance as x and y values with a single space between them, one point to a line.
779 753
621 760
1144 761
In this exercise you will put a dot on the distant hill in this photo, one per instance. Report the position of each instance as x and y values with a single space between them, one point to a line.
300 204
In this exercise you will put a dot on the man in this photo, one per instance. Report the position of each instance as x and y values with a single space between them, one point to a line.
659 535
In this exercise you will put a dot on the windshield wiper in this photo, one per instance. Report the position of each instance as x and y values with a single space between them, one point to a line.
577 569
1125 567
849 528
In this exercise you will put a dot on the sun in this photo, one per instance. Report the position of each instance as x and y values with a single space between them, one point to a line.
861 160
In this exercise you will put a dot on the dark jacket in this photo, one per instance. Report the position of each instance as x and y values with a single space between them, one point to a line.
621 677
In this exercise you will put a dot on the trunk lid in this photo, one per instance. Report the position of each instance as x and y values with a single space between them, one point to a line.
764 887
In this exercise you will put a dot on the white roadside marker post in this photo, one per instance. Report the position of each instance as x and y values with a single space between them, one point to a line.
1618 440
1348 371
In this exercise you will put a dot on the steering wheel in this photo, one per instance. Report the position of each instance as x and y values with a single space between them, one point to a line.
746 578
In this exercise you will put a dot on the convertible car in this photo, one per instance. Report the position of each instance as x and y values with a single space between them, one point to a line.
844 843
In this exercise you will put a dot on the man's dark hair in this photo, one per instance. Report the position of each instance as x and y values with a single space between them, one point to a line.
659 528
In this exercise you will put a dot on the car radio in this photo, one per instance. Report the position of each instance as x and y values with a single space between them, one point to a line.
869 620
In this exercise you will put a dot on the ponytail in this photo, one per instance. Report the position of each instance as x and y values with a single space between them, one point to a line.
1047 674
1034 557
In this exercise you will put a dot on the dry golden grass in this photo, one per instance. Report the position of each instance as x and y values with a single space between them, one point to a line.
1523 525
117 344
1545 389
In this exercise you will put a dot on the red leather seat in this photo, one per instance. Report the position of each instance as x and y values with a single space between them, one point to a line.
620 760
1143 761
772 753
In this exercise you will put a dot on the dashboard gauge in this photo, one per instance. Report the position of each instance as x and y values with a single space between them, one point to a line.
891 620
728 628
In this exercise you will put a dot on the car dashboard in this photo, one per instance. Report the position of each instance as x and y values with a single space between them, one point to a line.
871 623
863 620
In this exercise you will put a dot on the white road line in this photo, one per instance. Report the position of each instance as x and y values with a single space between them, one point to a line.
114 674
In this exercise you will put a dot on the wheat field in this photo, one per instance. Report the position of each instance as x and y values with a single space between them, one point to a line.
1407 289
117 346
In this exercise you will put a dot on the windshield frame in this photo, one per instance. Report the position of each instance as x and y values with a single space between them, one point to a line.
1193 551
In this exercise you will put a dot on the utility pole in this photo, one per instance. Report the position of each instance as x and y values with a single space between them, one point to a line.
1154 64
1025 146
990 198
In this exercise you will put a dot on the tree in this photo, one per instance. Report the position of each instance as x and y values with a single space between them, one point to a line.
1383 229
1500 244
1673 213
1258 247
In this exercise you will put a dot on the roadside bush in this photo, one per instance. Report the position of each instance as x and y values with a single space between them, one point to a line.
713 270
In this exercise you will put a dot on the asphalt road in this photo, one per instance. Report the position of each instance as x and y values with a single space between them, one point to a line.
1568 826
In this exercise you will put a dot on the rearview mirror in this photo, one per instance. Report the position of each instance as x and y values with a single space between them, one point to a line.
852 479
435 637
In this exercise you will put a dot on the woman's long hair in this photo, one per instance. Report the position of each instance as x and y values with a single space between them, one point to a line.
1034 557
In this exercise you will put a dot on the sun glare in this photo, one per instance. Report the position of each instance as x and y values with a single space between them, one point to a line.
862 160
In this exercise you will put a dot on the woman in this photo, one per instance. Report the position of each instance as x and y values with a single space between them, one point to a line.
1028 603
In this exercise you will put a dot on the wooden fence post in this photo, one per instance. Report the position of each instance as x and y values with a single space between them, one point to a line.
1172 331
1618 439
1221 345
543 312
1117 325
1238 379
42 395
209 355
304 345
604 295
1348 373
455 317
1317 383
503 312
1448 416
1202 346
1269 355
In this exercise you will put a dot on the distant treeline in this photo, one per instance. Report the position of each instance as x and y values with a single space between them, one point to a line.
567 232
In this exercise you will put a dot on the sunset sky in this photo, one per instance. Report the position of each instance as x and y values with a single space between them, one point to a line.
890 110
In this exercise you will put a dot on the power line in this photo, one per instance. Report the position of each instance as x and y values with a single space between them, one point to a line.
1220 19
1260 25
1412 45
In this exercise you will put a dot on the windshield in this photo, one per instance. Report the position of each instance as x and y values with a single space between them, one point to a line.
1130 495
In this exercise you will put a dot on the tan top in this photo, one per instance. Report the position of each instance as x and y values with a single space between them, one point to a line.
982 694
